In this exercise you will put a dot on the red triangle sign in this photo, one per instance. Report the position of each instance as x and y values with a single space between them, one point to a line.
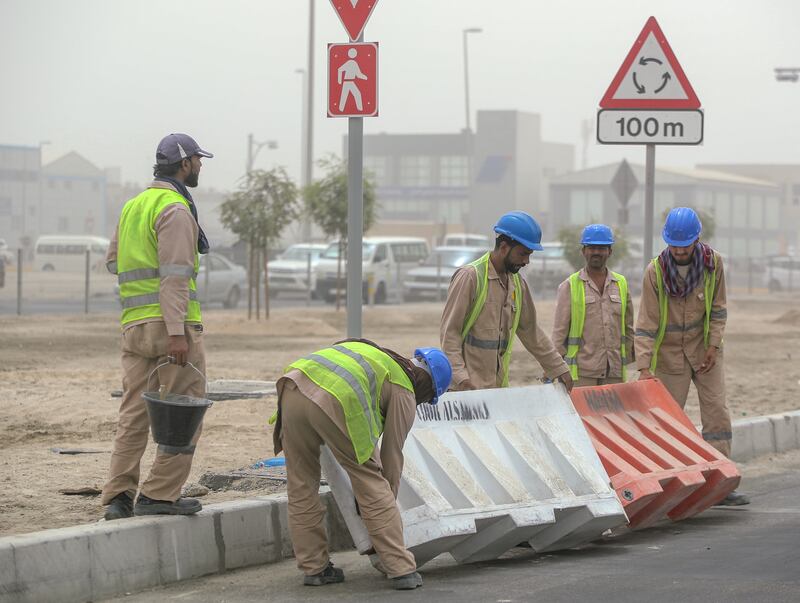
354 15
650 76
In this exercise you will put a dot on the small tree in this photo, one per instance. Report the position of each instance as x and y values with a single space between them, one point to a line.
570 238
258 213
326 204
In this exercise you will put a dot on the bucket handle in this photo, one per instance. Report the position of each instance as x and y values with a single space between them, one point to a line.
205 379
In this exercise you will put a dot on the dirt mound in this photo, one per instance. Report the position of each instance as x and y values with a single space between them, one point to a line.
790 317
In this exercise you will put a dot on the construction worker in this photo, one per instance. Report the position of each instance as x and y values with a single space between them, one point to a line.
593 326
155 254
680 325
346 396
488 304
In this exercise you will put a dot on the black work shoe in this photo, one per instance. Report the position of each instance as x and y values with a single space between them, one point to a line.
330 575
120 507
183 506
407 582
734 499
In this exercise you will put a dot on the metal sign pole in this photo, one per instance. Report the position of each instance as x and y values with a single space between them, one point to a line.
649 195
355 223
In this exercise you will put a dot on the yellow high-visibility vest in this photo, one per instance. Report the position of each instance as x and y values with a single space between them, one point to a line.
354 374
138 270
577 290
481 266
709 285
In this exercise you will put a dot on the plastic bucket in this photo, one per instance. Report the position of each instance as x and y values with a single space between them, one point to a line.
174 418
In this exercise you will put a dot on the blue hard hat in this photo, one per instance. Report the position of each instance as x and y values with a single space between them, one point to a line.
520 227
439 368
682 227
597 234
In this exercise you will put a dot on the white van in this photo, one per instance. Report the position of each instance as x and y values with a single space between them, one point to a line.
461 239
67 253
386 262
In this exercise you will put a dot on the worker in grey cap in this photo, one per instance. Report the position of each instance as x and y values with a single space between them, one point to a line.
155 253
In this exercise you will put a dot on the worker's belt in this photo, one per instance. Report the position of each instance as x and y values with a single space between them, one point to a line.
486 344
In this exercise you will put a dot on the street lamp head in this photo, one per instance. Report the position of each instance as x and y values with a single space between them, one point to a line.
787 74
473 30
300 70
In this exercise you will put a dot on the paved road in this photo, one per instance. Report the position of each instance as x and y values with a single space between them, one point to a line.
746 554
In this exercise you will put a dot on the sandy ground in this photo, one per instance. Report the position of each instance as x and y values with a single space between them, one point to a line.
56 374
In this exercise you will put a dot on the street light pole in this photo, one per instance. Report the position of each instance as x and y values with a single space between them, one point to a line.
308 164
469 30
253 147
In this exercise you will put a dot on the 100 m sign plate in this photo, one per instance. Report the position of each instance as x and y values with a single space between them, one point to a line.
645 126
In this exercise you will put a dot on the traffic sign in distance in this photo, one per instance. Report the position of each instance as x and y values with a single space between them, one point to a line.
354 15
624 183
650 76
353 79
633 126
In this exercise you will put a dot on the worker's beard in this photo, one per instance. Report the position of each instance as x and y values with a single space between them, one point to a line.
510 267
192 179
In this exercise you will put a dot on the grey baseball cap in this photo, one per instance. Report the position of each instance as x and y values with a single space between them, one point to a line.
175 147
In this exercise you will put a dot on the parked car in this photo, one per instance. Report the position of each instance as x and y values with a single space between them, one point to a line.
226 281
67 253
466 240
289 271
385 263
547 268
782 273
6 255
432 278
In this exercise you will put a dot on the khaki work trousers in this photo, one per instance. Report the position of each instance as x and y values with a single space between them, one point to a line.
592 381
144 347
304 428
714 413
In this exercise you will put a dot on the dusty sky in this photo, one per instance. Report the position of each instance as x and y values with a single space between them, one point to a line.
108 78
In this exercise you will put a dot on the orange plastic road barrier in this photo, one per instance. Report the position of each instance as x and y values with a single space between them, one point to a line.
658 463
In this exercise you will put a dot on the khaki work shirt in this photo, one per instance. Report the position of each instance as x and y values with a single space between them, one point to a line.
176 231
479 358
599 354
685 318
398 408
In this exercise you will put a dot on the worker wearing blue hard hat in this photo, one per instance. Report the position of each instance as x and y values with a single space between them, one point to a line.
488 305
593 324
680 325
322 399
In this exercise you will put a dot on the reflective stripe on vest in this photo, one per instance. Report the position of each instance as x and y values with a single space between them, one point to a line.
354 374
577 289
481 266
709 286
138 270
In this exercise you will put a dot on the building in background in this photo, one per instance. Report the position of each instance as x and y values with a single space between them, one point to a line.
746 210
786 176
432 184
20 195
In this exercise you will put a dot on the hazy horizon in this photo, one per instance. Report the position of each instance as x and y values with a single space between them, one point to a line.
109 80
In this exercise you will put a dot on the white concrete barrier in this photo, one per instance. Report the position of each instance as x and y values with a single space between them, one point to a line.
489 469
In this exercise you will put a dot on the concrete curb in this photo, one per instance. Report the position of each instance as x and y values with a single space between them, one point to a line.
92 562
765 435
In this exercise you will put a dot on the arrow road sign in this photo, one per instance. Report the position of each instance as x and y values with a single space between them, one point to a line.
624 183
354 15
650 76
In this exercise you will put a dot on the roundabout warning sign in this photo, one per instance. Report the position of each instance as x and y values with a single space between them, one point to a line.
650 76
